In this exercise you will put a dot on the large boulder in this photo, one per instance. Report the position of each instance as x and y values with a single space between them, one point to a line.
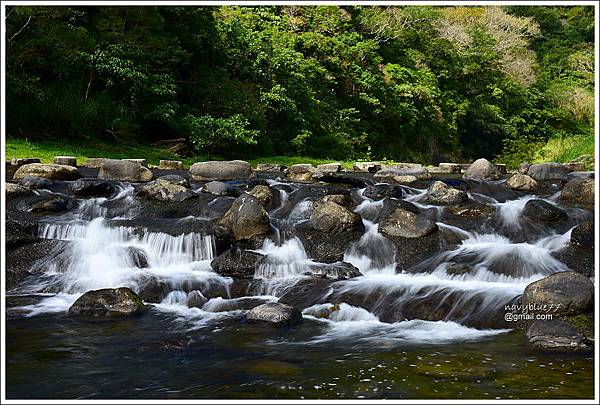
335 271
563 293
49 204
332 218
521 182
406 224
92 187
124 170
95 163
472 209
35 183
480 170
13 190
402 175
108 303
381 191
555 335
168 188
236 263
366 167
542 211
221 170
47 171
264 195
344 200
578 191
246 218
440 193
275 314
548 171
301 173
578 255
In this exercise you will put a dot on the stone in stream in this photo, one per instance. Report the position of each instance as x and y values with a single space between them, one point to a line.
471 208
542 211
406 224
168 188
562 293
47 204
548 171
335 271
330 167
275 314
94 163
65 160
578 191
236 263
246 218
196 299
301 173
340 199
342 178
170 164
481 170
578 254
439 193
108 303
521 182
449 168
381 191
34 182
220 188
23 161
555 335
124 170
524 168
47 171
402 175
366 167
13 190
141 162
92 187
264 195
221 170
270 167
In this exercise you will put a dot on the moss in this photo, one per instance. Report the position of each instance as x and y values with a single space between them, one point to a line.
584 323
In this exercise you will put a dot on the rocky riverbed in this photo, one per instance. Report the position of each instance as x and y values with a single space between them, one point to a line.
310 282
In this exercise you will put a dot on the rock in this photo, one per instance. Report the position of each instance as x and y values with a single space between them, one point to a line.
578 255
246 218
47 171
333 219
168 188
221 170
65 160
196 299
220 188
471 208
270 167
301 173
440 193
562 293
449 168
330 167
402 175
405 224
141 162
381 191
94 163
583 235
578 191
575 175
92 187
275 314
524 168
13 190
336 271
521 182
108 302
575 166
480 170
24 161
542 211
548 171
138 257
340 199
556 336
342 178
22 254
34 183
170 164
124 170
236 263
366 167
264 195
20 233
456 269
501 168
235 304
50 204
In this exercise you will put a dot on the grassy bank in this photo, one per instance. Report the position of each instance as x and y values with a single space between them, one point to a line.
580 148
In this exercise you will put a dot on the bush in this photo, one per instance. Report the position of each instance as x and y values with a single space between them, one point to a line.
209 134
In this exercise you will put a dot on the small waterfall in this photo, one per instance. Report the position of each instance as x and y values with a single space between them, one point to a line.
287 260
372 253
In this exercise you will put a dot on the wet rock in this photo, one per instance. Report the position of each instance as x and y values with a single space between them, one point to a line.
578 191
563 293
21 255
270 167
108 303
138 257
141 162
246 218
236 263
307 292
406 224
381 191
330 167
342 178
47 171
168 188
578 255
480 170
196 299
264 195
13 190
301 173
542 211
95 163
124 170
548 171
19 233
336 271
555 336
91 187
170 164
449 168
34 183
65 160
583 235
24 161
440 193
220 188
471 208
521 182
221 170
333 218
49 204
366 167
275 314
153 290
234 304
402 175
524 168
576 175
458 269
340 199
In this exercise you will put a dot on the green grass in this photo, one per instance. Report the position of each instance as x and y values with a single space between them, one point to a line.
563 150
292 160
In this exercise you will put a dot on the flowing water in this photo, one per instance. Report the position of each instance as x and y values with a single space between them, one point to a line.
421 333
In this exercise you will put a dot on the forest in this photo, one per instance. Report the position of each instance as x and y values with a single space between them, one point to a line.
418 83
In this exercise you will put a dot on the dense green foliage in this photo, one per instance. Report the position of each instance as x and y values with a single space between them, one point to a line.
404 83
